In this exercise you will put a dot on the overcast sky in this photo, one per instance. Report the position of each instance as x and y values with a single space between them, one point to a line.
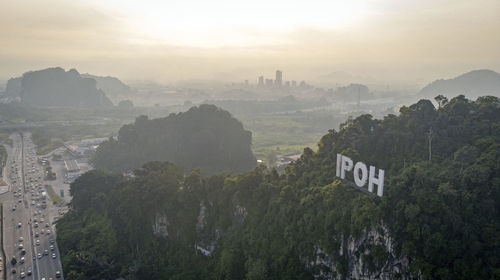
378 41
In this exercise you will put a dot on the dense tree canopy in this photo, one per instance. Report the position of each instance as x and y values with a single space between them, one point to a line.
204 137
436 220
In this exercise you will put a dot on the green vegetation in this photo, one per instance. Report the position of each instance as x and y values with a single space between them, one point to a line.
51 137
4 138
289 133
55 199
49 147
436 220
3 156
54 87
287 125
17 113
52 194
9 142
56 157
49 174
204 137
285 104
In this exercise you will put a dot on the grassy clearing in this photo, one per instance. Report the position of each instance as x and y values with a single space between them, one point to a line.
49 147
52 194
287 134
3 156
55 199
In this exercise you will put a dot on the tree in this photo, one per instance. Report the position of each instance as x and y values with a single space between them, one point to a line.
441 100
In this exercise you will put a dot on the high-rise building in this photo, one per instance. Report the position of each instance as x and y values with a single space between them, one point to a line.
279 79
261 81
269 83
294 83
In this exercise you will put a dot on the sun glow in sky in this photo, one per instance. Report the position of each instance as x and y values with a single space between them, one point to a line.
377 41
223 23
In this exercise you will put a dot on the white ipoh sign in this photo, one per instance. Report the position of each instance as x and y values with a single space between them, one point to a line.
360 173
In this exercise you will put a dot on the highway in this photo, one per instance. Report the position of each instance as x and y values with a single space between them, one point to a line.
28 217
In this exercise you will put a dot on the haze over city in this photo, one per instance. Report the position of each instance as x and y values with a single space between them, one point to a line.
371 41
249 140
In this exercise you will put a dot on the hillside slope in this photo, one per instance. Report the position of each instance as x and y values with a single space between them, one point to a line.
54 87
112 86
472 84
436 220
204 137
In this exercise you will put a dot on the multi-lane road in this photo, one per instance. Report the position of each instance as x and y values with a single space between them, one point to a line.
28 215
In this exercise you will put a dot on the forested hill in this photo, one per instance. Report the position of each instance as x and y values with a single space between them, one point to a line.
436 220
54 87
204 137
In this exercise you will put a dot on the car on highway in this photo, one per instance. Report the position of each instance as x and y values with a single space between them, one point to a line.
21 246
37 242
46 252
58 274
39 255
21 239
22 275
53 255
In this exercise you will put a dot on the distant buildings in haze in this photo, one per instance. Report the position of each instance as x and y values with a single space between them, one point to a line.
279 78
278 83
261 81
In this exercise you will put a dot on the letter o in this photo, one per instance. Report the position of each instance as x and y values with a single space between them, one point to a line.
360 182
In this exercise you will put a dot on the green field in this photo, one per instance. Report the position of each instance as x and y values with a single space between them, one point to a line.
52 137
289 134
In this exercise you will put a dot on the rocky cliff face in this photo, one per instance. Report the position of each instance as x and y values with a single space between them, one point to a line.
355 258
160 225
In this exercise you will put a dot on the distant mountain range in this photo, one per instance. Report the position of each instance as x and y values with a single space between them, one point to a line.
472 84
112 86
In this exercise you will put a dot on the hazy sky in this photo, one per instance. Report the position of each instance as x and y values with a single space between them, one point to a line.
385 41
